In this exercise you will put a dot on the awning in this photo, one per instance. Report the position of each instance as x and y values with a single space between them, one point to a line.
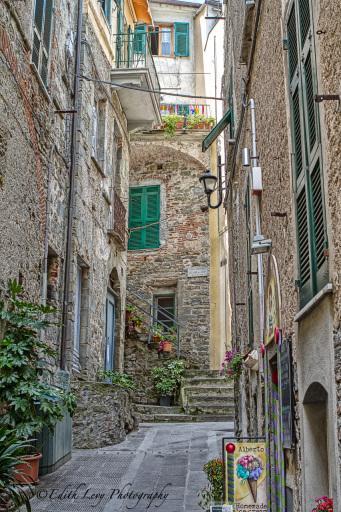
142 11
216 131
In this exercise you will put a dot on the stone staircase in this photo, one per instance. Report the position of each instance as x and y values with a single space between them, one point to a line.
205 396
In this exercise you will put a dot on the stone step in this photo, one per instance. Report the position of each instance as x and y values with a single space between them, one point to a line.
158 408
207 391
202 373
186 418
224 399
213 408
205 381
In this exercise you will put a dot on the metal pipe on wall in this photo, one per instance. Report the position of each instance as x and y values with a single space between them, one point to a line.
254 163
71 196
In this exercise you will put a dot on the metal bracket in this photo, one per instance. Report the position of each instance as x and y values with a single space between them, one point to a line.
319 98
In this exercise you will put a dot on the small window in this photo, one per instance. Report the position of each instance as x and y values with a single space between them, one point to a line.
169 40
165 310
41 36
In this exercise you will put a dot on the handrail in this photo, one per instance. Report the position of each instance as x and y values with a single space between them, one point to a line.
150 312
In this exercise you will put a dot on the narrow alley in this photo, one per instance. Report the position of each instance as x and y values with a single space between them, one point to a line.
163 462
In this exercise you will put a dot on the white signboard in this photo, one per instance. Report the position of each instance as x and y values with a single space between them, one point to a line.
197 272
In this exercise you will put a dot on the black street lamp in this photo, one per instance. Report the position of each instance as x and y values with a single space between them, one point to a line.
211 184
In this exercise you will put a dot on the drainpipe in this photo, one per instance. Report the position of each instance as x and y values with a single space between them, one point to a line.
71 196
254 163
46 235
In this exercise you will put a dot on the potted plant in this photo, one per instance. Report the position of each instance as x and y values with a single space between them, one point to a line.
28 400
169 340
157 333
167 380
134 322
232 365
213 493
323 503
171 123
12 495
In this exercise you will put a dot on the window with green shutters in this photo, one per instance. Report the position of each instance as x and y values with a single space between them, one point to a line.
43 14
144 218
307 158
181 39
140 35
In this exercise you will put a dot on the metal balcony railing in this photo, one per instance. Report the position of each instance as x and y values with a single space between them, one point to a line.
118 221
133 50
150 312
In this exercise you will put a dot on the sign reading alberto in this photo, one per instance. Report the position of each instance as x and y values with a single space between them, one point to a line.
245 475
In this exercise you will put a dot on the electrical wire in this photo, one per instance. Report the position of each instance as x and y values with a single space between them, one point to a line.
144 89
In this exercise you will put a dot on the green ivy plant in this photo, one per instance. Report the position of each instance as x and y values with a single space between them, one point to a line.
28 400
214 492
167 378
11 451
123 380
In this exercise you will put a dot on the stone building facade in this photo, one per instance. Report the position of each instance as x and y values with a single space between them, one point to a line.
283 300
179 266
64 150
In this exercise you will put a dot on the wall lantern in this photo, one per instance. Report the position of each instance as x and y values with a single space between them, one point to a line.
211 184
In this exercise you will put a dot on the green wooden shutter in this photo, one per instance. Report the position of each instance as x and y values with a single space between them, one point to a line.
135 218
152 216
144 209
310 215
181 39
140 35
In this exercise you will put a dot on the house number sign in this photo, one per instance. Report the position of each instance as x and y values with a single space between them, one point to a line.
197 272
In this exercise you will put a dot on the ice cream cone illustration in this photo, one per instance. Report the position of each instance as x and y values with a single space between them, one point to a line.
249 469
253 488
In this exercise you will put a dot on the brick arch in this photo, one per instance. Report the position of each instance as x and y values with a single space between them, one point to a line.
144 153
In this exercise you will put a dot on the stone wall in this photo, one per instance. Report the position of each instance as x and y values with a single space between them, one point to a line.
139 359
176 165
104 415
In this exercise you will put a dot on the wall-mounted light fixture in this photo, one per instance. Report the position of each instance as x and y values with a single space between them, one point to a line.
213 183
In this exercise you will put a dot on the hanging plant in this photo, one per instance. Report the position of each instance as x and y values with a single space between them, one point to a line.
232 365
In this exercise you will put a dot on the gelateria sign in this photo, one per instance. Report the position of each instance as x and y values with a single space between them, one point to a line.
245 475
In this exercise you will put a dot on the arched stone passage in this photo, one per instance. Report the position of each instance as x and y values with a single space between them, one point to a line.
315 440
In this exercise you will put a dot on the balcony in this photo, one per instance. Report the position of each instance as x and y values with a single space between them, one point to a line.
117 228
135 67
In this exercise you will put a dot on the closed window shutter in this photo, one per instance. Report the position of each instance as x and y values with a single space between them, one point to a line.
310 217
181 39
152 233
144 209
140 35
135 218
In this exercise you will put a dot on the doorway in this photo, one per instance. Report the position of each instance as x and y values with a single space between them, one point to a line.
109 363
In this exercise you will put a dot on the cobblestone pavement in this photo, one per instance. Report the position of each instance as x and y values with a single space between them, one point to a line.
158 468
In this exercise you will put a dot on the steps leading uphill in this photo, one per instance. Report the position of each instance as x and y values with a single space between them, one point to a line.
205 396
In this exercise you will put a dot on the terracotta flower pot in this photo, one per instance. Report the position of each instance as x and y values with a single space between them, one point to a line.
156 339
179 125
167 346
29 469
